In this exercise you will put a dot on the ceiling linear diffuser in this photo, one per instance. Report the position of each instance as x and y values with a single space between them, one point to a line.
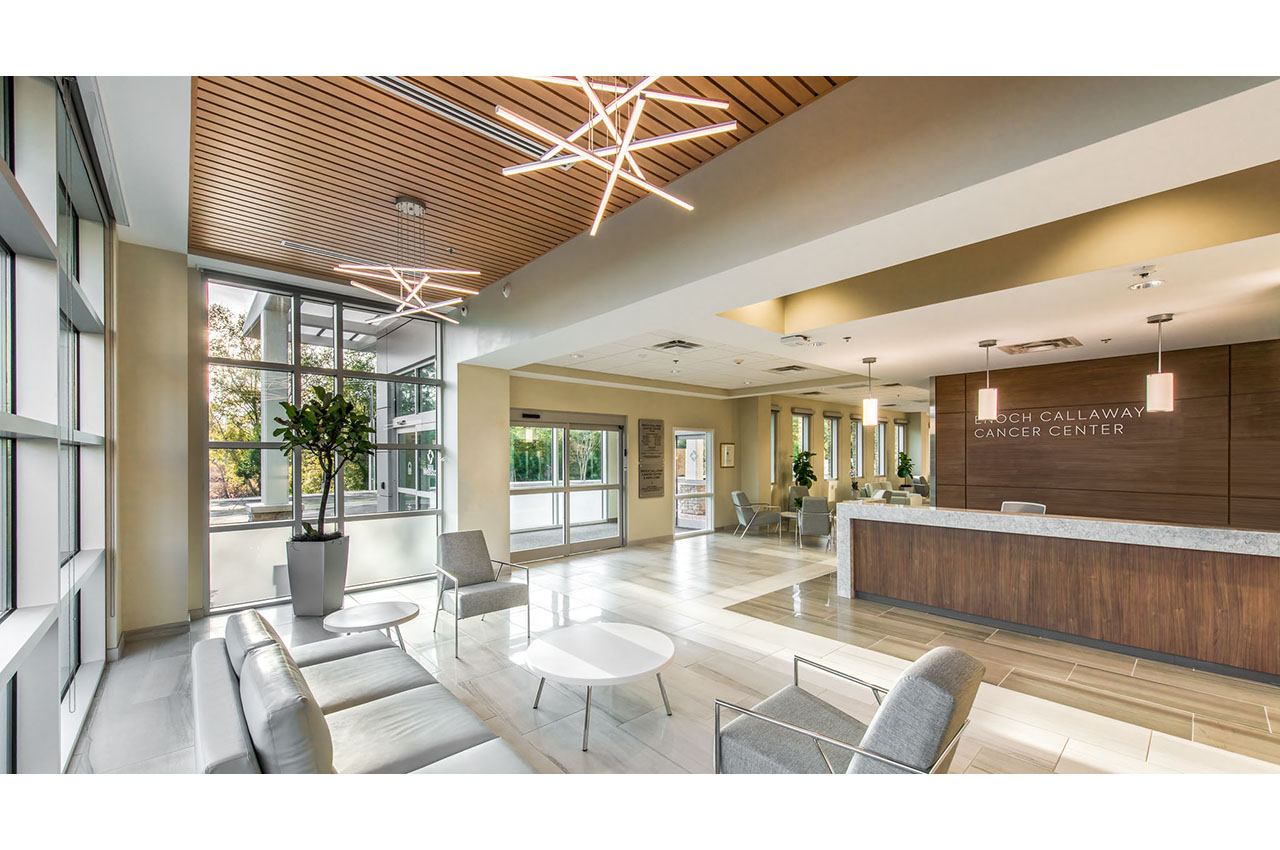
629 99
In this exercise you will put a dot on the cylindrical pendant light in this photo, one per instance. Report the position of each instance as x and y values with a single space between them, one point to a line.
1160 385
987 394
870 404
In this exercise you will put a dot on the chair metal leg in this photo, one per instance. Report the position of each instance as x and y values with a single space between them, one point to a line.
457 597
439 602
663 689
400 638
528 621
586 726
715 756
538 697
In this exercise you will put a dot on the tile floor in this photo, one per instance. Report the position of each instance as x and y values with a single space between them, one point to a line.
724 602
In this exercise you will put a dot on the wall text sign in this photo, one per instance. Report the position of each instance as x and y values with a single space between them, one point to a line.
1100 421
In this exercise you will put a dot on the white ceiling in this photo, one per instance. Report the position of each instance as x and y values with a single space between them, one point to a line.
714 364
1226 294
149 123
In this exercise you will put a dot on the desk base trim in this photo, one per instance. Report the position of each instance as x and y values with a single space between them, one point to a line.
1136 651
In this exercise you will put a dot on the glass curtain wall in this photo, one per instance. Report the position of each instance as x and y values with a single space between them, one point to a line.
855 449
880 449
270 346
830 446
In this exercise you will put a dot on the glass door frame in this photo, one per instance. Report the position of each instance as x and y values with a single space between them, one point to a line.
708 496
565 424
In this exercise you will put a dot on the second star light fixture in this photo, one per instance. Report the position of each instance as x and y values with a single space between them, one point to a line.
617 158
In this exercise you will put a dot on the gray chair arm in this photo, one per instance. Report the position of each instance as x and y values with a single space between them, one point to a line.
819 739
876 691
502 564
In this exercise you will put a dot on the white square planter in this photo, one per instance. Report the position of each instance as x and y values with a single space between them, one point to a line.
317 575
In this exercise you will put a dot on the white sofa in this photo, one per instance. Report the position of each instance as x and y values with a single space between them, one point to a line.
352 704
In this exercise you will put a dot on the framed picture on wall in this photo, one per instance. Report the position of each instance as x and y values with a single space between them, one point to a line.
728 455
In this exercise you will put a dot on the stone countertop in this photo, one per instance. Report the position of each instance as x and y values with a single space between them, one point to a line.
1203 538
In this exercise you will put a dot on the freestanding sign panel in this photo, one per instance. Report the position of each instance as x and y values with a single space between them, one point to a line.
652 462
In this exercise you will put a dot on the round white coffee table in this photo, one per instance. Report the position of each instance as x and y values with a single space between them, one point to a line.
372 616
595 654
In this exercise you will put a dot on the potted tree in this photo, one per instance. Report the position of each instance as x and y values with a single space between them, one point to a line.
802 471
334 431
905 467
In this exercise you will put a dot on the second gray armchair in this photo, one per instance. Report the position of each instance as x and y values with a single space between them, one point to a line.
468 585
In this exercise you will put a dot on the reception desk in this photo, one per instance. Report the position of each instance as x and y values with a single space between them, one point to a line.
1206 596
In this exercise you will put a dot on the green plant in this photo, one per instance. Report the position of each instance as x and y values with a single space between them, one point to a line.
802 471
905 465
334 431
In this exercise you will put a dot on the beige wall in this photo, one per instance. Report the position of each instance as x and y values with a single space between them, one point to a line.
152 438
482 455
647 519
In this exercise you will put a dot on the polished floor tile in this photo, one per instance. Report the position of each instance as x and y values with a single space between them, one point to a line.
738 612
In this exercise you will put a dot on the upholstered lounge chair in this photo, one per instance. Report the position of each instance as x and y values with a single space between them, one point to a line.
468 585
914 730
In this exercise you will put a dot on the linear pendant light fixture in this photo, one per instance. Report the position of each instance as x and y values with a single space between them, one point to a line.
1160 385
568 149
870 404
987 394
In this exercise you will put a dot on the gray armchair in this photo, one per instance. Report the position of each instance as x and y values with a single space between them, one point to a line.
753 514
467 583
1022 508
814 518
794 492
915 729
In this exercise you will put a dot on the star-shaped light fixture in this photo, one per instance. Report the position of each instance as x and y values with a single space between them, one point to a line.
408 297
616 159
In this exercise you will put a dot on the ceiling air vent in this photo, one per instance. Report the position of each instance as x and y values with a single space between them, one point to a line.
1041 345
675 345
782 370
812 392
894 384
796 340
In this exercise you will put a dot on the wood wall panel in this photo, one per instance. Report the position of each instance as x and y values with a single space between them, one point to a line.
1190 509
949 449
1199 372
1185 452
948 394
1262 514
1209 606
1255 435
1213 461
945 496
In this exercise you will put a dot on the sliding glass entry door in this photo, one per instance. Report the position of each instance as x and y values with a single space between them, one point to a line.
566 488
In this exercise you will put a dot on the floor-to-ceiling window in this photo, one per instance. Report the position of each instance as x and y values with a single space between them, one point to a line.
269 346
899 440
54 310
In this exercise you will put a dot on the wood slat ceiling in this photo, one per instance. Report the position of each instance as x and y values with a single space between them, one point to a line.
318 160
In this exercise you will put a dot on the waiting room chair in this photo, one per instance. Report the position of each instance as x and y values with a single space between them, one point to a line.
1022 508
899 497
753 514
915 728
795 492
814 517
467 582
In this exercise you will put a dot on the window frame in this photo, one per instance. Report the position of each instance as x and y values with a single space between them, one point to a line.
340 374
880 437
806 433
856 446
773 447
830 447
899 438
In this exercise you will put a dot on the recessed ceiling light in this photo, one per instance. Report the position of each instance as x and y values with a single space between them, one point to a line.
575 356
748 383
